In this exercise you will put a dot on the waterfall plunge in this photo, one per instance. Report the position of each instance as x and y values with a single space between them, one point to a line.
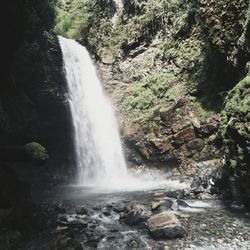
100 159
97 140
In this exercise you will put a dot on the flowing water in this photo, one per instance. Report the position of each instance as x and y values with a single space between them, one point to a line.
211 224
97 141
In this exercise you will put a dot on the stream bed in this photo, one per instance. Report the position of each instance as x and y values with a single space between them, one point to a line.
85 218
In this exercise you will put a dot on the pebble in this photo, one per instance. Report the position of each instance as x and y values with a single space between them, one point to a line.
175 206
155 205
184 216
160 194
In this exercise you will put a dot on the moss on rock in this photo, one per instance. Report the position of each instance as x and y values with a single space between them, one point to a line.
236 134
36 152
144 97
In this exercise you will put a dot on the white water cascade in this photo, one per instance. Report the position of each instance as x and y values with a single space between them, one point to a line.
99 155
97 140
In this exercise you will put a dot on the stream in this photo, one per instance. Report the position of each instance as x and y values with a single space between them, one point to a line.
79 216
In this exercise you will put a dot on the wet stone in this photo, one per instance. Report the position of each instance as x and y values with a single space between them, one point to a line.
79 224
175 206
182 203
155 205
106 213
120 208
166 226
133 244
83 211
137 215
59 208
62 218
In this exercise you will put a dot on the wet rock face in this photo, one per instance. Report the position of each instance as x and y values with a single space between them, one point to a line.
35 109
166 226
209 181
45 115
33 106
183 137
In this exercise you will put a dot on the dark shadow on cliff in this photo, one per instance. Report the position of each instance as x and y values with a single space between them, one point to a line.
216 77
33 108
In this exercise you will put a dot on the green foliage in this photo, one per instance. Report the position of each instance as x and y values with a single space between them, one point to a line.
74 19
238 100
235 127
36 152
143 97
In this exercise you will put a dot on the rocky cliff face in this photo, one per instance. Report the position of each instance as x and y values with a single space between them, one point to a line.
33 108
32 101
168 66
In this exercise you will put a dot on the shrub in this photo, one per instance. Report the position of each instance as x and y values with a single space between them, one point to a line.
36 152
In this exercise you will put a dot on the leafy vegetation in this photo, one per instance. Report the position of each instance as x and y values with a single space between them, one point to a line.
37 153
143 97
73 19
235 128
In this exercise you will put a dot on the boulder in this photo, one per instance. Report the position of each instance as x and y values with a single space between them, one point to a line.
155 205
175 206
136 216
83 210
161 206
166 226
182 203
208 181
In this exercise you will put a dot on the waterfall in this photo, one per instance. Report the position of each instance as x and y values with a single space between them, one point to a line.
99 154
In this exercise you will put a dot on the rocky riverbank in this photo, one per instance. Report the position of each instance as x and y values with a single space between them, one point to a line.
137 220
